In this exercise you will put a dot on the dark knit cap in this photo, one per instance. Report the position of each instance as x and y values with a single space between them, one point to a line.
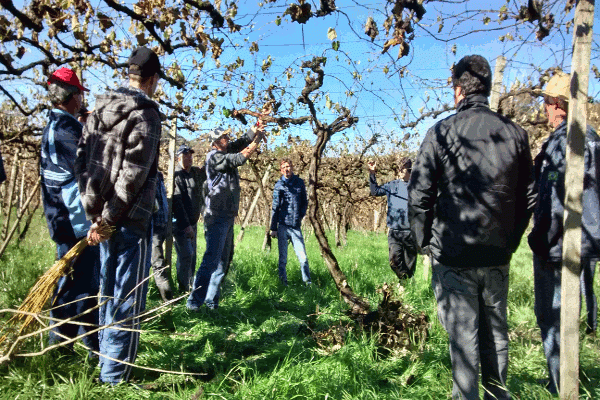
143 62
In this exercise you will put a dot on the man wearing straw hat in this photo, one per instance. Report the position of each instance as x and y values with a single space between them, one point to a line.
221 207
76 293
118 163
545 238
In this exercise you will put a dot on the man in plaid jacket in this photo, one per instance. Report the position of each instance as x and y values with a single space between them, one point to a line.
117 162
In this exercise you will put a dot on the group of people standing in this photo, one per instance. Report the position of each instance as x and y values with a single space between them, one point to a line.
466 204
100 181
471 194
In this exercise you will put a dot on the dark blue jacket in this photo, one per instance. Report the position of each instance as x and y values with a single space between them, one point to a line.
397 197
159 218
546 236
62 202
289 202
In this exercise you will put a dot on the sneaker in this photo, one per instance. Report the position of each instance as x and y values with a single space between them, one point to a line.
192 307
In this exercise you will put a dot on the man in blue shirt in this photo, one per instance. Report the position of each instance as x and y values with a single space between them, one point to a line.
289 207
403 252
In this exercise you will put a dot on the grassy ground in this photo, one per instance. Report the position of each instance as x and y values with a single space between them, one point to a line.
258 345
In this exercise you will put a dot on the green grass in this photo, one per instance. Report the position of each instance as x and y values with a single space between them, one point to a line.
258 344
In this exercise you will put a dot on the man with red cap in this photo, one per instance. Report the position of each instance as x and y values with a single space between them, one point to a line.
117 167
76 294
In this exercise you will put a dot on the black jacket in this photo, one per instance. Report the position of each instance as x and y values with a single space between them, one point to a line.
546 236
472 192
188 200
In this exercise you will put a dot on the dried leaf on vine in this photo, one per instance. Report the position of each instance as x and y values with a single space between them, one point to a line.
105 22
299 13
371 28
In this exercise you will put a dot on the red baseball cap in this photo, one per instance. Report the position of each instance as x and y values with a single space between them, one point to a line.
68 76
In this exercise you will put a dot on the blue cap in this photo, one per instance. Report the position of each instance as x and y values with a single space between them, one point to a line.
183 149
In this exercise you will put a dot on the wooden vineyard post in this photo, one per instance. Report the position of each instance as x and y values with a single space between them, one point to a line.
169 186
571 260
497 83
11 192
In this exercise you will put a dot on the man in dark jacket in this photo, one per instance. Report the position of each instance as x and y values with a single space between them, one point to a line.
546 236
401 244
221 208
188 203
76 293
289 208
117 162
161 270
471 195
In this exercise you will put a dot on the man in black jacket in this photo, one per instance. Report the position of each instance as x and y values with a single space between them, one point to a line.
188 203
471 195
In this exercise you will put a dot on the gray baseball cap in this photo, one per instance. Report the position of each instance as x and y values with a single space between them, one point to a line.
217 133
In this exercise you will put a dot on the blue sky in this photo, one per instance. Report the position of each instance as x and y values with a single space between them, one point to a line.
391 96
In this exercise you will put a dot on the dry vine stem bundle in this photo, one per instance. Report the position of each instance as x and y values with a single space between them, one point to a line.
42 291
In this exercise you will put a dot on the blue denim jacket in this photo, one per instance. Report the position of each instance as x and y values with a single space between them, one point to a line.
546 236
289 202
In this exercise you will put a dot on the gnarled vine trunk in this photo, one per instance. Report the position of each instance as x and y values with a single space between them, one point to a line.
357 303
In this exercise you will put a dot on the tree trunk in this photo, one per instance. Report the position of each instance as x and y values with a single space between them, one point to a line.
357 303
11 192
345 224
19 216
28 221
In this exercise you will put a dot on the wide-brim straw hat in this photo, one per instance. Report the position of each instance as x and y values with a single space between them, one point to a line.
558 86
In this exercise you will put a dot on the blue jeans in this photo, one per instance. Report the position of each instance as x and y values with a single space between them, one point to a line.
547 286
472 307
215 263
125 264
76 293
287 233
186 258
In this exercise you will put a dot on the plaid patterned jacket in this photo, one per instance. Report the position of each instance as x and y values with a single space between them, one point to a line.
117 159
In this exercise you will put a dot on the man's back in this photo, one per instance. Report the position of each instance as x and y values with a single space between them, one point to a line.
118 159
476 166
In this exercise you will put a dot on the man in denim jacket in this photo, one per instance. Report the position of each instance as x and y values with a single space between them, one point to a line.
289 208
76 293
546 235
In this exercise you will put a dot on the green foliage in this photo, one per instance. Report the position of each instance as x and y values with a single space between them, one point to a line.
259 344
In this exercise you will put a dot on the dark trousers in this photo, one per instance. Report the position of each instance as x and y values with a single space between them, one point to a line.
472 307
403 253
161 270
76 294
547 287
